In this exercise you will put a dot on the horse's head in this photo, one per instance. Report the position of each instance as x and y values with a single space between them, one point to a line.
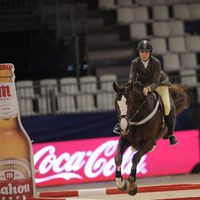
129 99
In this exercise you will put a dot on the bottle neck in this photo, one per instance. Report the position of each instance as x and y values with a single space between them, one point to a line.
8 96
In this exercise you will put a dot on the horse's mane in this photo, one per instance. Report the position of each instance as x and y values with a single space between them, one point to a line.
136 83
134 86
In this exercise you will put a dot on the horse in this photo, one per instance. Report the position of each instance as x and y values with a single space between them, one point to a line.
142 123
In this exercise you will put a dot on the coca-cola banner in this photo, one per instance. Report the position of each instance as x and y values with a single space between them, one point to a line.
92 160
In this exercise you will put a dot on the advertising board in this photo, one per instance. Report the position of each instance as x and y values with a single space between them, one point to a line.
92 160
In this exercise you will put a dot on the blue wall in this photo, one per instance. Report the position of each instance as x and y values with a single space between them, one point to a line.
89 125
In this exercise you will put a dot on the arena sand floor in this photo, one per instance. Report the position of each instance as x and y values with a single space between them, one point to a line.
155 188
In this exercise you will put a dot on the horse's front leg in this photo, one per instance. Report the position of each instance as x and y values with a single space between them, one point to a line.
121 148
146 147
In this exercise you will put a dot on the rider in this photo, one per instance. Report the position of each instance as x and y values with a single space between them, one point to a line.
147 70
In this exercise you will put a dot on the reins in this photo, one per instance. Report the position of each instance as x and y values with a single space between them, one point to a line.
138 110
146 119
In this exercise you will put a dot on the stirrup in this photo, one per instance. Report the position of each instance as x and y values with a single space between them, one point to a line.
116 132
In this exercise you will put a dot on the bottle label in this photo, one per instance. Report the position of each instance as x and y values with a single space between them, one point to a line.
15 180
8 101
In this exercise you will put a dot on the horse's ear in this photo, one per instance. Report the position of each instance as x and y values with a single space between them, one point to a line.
115 87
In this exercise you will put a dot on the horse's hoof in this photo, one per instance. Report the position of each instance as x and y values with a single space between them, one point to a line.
132 189
124 188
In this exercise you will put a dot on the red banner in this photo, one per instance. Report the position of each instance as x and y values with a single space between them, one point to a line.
92 160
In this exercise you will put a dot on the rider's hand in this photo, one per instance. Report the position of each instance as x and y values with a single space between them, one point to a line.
145 91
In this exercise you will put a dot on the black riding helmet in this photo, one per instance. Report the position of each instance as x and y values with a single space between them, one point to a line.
144 45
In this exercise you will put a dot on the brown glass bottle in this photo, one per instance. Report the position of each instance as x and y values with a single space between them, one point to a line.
17 179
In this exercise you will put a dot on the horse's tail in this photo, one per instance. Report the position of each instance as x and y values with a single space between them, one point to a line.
181 97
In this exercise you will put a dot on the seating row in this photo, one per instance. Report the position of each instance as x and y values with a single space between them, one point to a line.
70 99
159 29
66 95
128 12
62 103
177 44
113 4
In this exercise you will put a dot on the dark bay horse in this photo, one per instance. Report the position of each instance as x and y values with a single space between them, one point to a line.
142 123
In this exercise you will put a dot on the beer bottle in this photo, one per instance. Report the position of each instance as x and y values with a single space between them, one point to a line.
16 154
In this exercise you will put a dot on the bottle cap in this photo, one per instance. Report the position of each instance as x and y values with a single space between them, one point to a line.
6 66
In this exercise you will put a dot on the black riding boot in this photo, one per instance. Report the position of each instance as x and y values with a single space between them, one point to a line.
117 129
170 121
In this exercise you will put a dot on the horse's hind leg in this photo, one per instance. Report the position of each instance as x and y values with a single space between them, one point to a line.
146 147
122 146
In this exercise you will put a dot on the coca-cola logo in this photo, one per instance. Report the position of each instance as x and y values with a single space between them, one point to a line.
90 164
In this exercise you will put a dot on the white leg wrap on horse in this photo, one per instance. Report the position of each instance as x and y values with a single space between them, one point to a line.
120 182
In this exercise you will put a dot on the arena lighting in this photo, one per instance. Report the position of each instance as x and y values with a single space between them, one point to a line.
92 160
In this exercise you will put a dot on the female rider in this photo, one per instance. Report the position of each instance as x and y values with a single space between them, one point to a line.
147 70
